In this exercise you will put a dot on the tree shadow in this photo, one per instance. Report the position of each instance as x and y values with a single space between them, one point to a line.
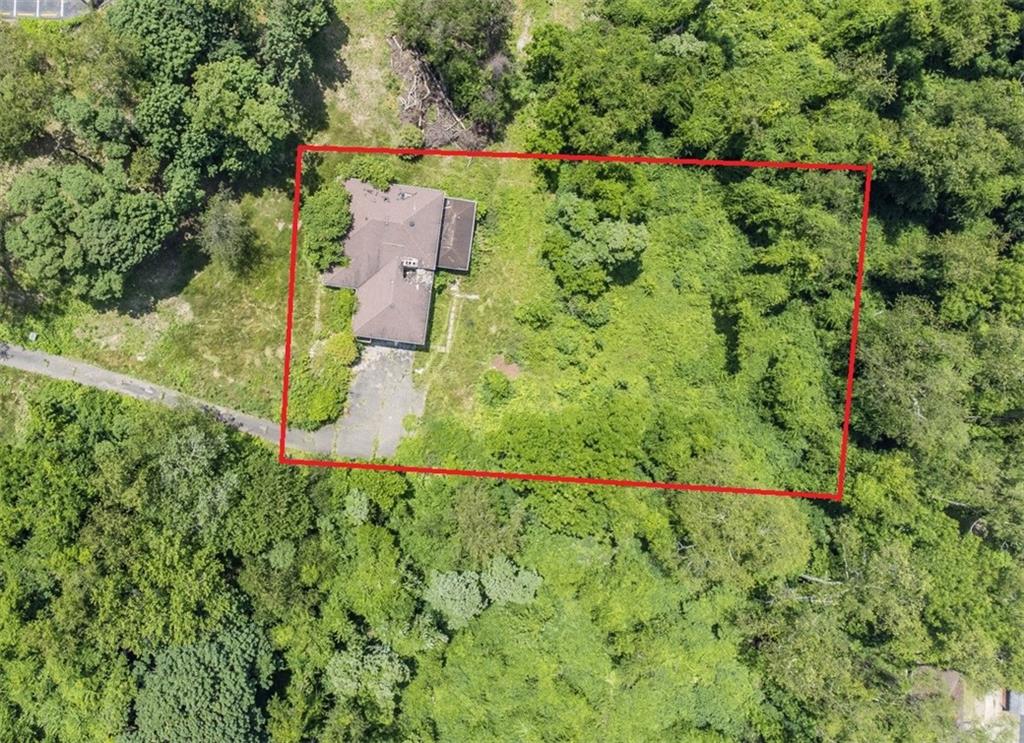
727 327
329 70
159 276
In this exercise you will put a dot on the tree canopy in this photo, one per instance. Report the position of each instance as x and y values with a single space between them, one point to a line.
164 577
153 105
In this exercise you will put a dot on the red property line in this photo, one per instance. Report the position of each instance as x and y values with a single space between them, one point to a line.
848 405
499 155
296 197
283 458
558 478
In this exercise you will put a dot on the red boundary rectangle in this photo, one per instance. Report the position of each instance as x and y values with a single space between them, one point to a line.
836 495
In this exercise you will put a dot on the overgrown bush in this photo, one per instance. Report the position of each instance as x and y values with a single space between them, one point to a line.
316 392
226 235
379 171
495 387
326 219
319 383
410 137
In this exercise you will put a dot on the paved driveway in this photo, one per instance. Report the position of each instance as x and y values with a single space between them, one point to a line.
380 397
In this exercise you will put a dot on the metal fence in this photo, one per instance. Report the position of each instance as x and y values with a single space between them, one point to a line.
12 9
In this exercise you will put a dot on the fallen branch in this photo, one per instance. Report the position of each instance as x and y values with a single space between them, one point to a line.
822 581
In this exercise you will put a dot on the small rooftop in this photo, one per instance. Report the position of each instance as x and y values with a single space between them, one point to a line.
54 9
457 229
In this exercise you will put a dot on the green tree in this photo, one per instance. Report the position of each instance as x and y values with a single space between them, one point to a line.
284 45
82 231
379 171
504 583
456 596
369 677
236 113
226 235
915 380
959 155
205 691
172 38
587 253
596 88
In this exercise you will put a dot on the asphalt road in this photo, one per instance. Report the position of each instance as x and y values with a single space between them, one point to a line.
381 396
70 370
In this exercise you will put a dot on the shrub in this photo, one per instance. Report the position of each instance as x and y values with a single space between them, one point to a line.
316 395
340 350
377 170
337 307
325 221
495 388
537 313
226 235
410 136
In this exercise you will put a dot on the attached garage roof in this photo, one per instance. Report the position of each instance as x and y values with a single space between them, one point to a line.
457 234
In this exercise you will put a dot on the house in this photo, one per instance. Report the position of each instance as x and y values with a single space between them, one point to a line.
998 713
399 238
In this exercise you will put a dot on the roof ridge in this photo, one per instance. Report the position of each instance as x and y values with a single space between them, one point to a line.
390 295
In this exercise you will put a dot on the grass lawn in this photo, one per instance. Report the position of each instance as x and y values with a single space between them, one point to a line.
364 109
16 388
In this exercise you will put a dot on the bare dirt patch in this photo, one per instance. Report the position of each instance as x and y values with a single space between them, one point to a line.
506 367
525 36
177 307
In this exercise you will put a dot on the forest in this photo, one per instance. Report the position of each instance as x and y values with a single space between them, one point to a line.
164 578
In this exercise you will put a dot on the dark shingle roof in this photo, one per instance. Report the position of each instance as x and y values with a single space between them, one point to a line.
457 234
389 227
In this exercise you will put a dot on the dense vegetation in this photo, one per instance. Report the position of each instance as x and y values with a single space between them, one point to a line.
466 43
319 380
143 110
673 347
325 222
155 566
